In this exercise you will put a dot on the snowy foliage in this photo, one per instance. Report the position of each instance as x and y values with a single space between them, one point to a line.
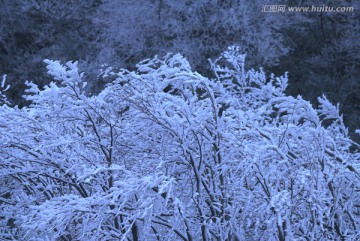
164 153
3 88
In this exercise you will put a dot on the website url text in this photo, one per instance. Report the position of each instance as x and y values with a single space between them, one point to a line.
307 9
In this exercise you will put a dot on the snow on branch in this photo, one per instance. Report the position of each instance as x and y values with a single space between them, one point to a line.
165 153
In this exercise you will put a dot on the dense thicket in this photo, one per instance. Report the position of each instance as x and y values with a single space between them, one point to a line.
165 153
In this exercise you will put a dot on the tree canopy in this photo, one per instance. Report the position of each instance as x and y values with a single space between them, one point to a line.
165 153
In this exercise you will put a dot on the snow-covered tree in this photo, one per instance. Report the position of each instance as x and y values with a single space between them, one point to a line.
32 30
164 153
199 29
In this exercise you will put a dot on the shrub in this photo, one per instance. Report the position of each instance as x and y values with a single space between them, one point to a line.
164 153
